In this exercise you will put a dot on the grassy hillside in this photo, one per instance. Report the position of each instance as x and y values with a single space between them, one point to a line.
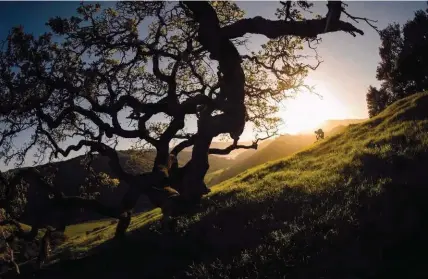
220 175
280 147
270 150
351 206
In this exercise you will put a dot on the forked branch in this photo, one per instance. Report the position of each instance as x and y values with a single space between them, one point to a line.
235 145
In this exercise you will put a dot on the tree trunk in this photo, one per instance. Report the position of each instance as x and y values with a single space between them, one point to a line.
232 94
123 224
162 155
128 203
193 181
142 184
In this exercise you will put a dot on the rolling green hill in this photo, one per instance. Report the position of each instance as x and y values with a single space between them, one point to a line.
350 206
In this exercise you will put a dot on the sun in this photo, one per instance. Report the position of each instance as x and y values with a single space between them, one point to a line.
307 111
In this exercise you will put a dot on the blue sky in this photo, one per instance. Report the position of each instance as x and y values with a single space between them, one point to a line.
349 63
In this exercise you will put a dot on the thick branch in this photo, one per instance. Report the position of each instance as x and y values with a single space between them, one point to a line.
135 104
235 145
190 105
182 145
54 123
102 148
176 124
277 28
230 148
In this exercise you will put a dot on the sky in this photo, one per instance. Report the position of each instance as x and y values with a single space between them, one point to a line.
348 69
349 65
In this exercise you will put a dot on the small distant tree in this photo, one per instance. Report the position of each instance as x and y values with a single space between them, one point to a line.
403 69
319 134
140 71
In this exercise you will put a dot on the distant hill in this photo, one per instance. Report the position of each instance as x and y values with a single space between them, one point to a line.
328 125
247 153
71 175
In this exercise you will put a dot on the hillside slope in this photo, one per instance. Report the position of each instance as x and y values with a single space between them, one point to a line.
351 206
280 147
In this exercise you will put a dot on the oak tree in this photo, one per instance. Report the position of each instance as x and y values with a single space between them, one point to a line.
143 71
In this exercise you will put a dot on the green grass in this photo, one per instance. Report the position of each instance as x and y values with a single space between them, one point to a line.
212 175
350 206
79 229
280 147
83 237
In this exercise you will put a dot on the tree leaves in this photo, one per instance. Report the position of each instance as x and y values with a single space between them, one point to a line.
403 67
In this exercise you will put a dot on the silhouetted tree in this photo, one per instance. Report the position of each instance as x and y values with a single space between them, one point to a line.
146 60
403 69
319 134
377 100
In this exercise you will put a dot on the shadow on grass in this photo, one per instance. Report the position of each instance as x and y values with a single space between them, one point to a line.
347 232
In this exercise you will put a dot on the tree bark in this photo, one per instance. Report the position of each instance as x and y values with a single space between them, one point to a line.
193 186
162 156
128 203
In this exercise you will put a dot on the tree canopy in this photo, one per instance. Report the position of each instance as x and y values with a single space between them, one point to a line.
142 71
403 69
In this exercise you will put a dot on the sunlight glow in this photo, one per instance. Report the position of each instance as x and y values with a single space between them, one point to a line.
307 111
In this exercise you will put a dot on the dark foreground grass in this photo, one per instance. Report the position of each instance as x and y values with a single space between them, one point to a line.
352 206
